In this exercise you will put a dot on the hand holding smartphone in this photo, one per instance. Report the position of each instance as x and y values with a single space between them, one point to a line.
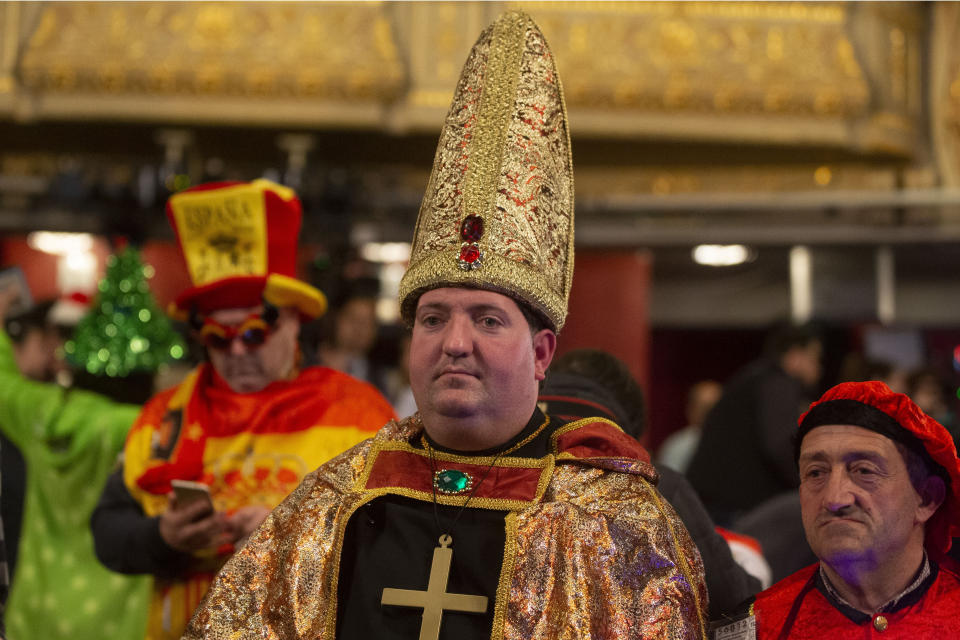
187 493
191 524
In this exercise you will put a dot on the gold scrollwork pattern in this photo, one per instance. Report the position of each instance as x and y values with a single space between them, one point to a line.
734 57
344 51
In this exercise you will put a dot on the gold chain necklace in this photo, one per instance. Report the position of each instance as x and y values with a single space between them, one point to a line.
505 452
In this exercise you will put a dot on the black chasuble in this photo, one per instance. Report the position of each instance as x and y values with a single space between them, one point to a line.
390 540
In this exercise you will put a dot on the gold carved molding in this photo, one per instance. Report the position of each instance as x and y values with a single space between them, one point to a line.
344 51
605 182
838 74
945 91
718 58
601 183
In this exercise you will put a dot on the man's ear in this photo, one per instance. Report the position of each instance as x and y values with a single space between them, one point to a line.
932 494
544 346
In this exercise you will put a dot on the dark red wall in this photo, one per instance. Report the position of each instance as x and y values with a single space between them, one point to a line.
609 307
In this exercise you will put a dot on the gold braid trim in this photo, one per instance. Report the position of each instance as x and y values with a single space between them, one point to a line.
494 115
330 622
502 275
506 577
573 426
681 558
359 485
568 276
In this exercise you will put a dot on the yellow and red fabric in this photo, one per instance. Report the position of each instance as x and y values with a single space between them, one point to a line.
239 241
249 448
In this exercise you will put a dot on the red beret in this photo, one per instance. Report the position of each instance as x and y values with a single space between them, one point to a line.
874 406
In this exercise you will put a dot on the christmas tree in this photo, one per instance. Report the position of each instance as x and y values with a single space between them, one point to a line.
125 332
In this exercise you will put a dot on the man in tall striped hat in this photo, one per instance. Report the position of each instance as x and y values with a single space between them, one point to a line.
479 516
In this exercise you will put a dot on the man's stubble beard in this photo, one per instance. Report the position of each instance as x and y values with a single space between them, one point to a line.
239 369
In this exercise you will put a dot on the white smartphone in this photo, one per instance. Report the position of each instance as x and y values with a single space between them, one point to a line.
188 492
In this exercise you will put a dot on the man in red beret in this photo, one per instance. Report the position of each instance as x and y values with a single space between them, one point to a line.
878 496
249 423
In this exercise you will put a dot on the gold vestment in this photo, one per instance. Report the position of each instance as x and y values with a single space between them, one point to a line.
592 550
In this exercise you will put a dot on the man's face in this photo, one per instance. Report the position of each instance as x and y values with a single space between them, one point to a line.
857 502
357 325
805 362
36 354
251 368
472 357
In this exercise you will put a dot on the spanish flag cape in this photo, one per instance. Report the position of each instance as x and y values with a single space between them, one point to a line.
251 448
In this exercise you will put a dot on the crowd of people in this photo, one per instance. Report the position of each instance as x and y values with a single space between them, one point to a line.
484 488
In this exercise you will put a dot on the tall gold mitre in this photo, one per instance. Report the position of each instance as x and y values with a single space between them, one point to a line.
498 210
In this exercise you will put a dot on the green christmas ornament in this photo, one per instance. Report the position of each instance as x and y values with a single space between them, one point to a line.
124 332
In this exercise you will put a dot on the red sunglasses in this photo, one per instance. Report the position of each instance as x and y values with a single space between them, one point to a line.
253 332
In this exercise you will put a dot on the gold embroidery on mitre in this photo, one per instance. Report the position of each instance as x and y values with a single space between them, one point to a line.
504 156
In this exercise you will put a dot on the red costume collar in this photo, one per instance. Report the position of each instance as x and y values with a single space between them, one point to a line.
394 466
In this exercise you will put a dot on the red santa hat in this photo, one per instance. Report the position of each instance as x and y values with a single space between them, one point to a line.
872 405
239 240
68 310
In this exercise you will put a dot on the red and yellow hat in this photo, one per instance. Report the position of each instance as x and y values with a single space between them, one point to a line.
872 405
239 240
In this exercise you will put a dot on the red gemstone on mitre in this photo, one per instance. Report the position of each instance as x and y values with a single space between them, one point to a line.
472 228
469 253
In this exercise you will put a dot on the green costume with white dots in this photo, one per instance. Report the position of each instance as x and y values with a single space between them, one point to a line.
70 441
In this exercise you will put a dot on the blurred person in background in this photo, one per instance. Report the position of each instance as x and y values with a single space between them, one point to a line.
927 388
34 341
398 381
857 368
70 438
677 450
352 334
745 452
248 423
588 382
777 525
36 336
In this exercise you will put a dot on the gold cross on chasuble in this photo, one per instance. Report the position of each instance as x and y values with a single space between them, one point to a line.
435 599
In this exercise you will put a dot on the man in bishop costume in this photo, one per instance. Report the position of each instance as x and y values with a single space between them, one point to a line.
479 516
